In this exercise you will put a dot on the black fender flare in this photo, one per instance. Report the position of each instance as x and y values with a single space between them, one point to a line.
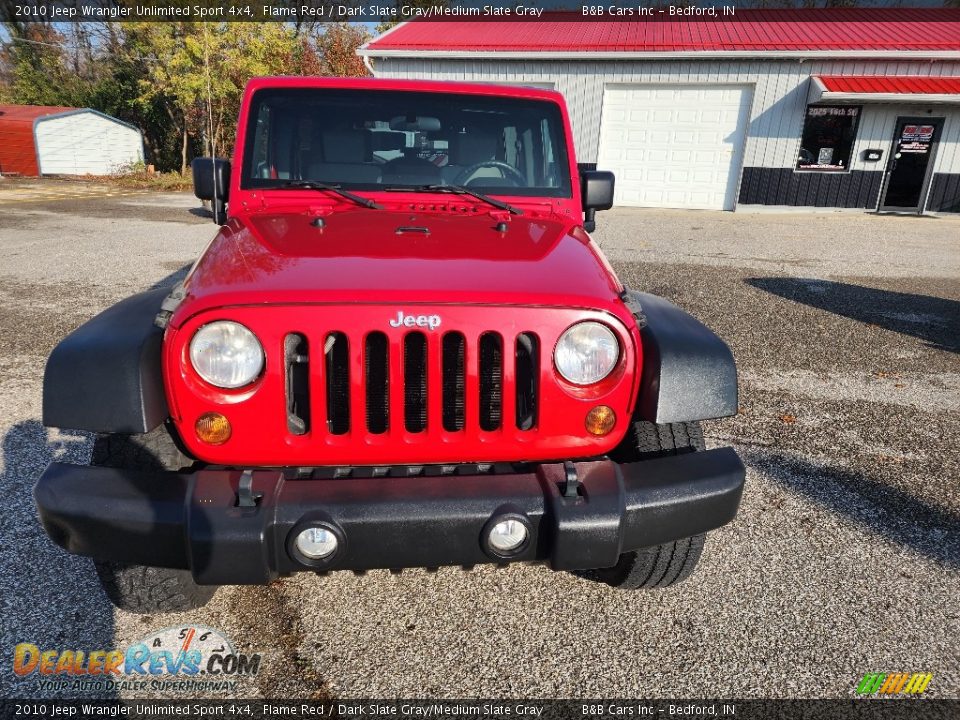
688 372
106 375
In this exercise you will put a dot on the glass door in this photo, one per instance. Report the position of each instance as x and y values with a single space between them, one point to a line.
910 165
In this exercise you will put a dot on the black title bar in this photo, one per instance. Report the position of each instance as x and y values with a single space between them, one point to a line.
863 709
67 11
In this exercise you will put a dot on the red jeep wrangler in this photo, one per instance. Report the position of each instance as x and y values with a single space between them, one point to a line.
402 349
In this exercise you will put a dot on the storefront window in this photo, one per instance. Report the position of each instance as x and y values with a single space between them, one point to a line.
828 136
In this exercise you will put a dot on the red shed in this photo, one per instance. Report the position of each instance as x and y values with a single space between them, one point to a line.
18 148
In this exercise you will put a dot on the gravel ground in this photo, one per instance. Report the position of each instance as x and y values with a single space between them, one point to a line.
845 557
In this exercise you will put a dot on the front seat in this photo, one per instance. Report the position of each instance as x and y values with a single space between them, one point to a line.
344 159
469 148
410 170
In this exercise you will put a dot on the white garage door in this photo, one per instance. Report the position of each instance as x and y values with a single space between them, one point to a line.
85 142
675 146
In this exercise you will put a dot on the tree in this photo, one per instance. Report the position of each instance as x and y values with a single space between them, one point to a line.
396 19
180 82
197 72
37 66
338 46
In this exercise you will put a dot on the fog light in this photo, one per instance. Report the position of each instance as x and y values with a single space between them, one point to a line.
316 543
213 428
507 535
600 420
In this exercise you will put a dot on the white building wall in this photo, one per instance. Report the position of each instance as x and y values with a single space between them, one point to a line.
85 143
780 91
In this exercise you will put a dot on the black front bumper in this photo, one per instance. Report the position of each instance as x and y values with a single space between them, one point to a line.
194 521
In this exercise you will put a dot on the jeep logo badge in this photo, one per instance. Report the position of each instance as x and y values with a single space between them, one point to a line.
427 321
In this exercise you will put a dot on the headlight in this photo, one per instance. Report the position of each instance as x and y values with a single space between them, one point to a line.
586 353
226 354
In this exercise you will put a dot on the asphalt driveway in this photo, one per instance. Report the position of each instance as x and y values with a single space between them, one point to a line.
845 557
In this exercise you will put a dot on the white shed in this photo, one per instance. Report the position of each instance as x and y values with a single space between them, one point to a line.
84 141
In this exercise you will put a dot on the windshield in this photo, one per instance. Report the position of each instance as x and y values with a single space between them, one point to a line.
380 139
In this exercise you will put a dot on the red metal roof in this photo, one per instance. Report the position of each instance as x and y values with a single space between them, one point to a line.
907 85
839 29
29 113
18 152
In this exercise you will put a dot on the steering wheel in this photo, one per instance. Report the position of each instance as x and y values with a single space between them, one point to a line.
507 171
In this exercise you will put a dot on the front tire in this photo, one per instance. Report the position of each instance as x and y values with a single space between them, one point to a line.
142 589
652 568
145 590
664 565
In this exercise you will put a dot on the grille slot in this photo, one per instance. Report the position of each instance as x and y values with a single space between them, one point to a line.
527 358
491 381
336 356
376 368
454 355
415 382
297 379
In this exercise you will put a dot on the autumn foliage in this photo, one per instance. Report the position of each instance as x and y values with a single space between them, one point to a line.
180 82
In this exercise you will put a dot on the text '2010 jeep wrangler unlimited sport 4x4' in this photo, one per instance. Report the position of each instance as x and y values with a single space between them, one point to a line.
402 349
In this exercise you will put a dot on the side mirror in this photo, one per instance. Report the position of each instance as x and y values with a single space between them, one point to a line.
596 188
211 181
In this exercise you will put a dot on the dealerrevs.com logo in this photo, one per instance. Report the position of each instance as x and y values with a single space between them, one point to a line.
191 657
894 683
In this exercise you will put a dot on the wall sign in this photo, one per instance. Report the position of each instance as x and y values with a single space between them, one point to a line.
922 133
916 139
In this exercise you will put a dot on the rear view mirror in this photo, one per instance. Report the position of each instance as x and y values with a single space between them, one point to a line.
387 140
417 123
211 181
596 189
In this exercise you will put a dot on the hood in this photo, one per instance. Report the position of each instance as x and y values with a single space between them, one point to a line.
363 255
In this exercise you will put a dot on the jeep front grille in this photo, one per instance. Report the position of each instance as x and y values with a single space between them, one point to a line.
416 382
335 349
528 363
348 385
454 349
491 381
376 358
296 359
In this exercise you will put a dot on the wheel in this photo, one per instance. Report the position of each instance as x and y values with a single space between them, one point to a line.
146 590
507 172
647 440
139 588
152 451
664 565
652 568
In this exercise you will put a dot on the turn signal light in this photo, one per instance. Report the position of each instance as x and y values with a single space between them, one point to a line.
600 420
213 428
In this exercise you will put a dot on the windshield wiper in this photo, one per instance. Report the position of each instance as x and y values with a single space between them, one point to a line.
310 185
460 190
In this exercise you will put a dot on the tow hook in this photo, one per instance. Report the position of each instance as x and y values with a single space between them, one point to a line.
571 483
246 497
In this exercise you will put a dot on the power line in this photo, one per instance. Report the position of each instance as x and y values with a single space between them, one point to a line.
97 49
37 42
